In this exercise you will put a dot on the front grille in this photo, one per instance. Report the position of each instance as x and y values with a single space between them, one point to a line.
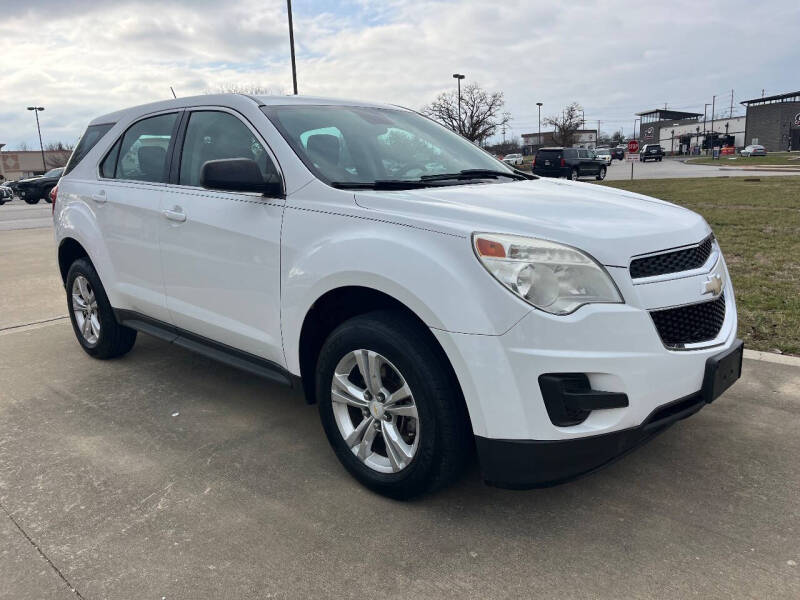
690 324
672 262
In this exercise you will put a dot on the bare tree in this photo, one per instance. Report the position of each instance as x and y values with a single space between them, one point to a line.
245 88
566 125
481 112
59 146
22 147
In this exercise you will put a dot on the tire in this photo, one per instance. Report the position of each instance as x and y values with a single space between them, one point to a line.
31 201
106 338
573 175
402 347
601 175
660 159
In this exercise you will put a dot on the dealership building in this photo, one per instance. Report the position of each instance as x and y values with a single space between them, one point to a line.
774 121
679 132
18 164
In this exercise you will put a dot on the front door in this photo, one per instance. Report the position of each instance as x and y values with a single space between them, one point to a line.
221 250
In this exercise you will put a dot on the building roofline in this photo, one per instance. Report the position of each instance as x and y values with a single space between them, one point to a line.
675 112
770 99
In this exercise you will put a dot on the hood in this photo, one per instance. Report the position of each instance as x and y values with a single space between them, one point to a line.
610 224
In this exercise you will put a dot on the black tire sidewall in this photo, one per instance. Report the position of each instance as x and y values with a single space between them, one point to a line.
105 345
422 371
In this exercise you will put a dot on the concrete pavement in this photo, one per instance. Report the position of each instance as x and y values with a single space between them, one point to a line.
672 168
165 475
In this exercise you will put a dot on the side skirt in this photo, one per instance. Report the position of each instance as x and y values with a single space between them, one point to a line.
225 354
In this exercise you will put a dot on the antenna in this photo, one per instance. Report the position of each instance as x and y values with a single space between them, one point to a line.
173 92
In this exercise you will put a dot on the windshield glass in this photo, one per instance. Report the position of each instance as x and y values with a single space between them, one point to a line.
351 144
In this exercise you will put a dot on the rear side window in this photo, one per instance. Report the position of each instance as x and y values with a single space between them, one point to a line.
93 134
583 154
570 153
141 155
109 164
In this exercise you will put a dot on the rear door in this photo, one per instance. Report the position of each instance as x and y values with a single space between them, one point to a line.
587 164
127 203
220 249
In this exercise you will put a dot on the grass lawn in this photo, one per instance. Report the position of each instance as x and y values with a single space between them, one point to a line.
772 158
757 224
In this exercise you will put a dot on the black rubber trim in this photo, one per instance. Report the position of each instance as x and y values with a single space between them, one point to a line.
214 350
569 398
525 464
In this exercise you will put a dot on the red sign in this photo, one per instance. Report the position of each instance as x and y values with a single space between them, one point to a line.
633 146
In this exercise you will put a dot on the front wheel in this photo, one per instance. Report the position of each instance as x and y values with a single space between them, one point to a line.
602 174
390 406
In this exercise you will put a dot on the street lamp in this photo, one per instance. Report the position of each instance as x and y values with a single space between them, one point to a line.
291 45
539 104
705 137
36 110
459 77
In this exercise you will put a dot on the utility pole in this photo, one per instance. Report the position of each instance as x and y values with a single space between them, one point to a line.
458 77
713 106
291 45
705 137
597 137
36 110
731 115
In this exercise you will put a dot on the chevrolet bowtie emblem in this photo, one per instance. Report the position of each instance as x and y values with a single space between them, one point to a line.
713 285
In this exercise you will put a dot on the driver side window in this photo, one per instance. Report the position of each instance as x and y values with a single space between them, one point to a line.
215 135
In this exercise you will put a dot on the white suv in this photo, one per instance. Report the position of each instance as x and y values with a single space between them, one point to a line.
430 299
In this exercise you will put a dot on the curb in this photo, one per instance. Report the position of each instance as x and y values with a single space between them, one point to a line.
770 357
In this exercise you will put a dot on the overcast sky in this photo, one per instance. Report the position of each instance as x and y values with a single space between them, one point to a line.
82 58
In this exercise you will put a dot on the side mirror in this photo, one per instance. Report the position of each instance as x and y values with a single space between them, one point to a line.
238 175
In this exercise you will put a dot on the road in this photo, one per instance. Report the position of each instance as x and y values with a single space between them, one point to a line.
165 475
18 215
674 168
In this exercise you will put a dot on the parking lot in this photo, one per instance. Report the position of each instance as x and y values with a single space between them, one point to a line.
166 475
671 168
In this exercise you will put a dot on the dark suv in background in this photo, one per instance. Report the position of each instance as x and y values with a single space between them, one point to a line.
651 152
568 162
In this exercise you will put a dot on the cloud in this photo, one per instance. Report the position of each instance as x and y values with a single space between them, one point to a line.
83 58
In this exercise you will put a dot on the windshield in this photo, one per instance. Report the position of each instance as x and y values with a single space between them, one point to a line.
364 145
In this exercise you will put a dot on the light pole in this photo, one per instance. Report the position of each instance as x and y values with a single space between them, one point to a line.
672 142
539 104
36 110
705 137
291 45
713 101
458 77
634 137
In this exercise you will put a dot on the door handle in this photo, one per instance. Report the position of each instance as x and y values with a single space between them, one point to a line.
100 197
175 214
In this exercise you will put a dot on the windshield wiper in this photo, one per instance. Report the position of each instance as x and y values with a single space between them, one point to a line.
382 184
474 174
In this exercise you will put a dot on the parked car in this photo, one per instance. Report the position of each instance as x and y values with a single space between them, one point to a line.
6 194
618 152
753 150
604 154
551 325
568 162
38 188
651 152
513 159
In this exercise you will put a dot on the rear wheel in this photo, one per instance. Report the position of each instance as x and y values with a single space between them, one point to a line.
390 407
574 175
91 314
602 174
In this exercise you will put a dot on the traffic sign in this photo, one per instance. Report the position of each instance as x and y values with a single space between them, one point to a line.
633 146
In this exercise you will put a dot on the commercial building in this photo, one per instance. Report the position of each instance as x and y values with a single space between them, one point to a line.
531 142
774 121
18 164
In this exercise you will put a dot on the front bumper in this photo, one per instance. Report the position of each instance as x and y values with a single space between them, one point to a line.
521 464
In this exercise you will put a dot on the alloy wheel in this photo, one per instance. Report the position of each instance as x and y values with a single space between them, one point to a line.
375 411
84 307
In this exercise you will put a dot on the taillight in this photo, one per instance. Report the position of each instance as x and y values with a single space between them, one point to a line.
563 163
53 195
533 164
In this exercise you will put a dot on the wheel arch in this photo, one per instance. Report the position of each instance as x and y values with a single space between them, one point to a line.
337 305
69 250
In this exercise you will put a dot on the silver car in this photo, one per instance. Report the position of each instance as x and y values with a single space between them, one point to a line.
753 150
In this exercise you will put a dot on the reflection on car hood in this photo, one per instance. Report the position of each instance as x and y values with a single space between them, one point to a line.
610 224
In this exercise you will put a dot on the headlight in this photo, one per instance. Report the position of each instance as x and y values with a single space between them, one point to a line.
552 277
